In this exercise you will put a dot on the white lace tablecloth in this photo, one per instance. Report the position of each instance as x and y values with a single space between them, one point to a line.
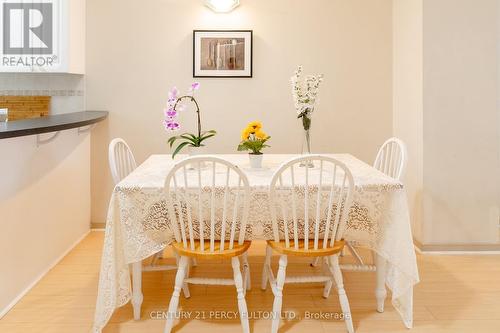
137 226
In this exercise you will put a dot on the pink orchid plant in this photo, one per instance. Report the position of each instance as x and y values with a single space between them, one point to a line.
175 105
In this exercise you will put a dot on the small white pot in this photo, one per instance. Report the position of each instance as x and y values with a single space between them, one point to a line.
256 160
195 151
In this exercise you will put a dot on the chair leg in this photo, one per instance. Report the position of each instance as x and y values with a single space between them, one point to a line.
278 296
380 291
327 288
344 301
174 301
137 296
354 253
246 269
242 304
267 265
185 286
176 256
328 284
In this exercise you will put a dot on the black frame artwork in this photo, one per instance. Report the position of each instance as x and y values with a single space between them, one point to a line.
247 70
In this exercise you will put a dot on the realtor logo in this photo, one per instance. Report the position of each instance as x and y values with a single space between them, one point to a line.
27 28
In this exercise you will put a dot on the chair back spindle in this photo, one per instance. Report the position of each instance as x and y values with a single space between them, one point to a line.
207 201
121 160
311 204
391 158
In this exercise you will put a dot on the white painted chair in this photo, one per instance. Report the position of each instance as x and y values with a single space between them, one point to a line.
122 163
208 198
121 159
391 159
309 217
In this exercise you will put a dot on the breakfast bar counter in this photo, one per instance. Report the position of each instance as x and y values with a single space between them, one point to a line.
49 124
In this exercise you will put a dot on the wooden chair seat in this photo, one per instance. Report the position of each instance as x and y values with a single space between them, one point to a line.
281 248
236 251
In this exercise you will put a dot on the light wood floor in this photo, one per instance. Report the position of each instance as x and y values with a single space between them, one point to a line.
459 294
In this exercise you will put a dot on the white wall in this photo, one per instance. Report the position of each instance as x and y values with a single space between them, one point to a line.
408 98
45 191
446 88
44 206
137 50
461 127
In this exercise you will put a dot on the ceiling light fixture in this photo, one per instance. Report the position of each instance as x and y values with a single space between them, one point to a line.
222 6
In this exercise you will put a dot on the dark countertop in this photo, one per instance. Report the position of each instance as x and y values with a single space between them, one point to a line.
48 124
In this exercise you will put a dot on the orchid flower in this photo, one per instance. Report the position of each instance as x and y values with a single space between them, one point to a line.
170 113
176 104
194 86
171 125
172 94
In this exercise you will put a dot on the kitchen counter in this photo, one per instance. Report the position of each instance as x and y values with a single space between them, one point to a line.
48 124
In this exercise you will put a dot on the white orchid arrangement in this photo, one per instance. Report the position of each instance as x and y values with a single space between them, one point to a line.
305 94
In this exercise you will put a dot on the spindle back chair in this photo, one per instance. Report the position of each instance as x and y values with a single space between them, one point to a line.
391 158
121 159
309 208
121 164
208 201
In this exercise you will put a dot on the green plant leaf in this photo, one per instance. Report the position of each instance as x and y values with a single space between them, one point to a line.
206 137
172 140
190 139
192 136
179 147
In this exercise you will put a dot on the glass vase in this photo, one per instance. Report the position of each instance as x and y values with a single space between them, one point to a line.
306 141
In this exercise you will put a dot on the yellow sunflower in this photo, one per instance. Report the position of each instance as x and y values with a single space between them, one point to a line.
245 134
261 135
251 130
256 125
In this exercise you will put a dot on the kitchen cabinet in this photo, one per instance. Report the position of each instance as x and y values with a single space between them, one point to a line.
43 37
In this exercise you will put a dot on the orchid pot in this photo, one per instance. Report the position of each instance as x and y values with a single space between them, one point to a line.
196 151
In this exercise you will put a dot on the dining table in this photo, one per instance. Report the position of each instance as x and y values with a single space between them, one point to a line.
138 227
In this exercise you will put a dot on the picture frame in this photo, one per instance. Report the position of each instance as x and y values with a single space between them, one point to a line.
222 53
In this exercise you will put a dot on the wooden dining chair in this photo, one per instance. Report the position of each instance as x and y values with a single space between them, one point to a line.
309 215
122 163
391 160
121 159
208 201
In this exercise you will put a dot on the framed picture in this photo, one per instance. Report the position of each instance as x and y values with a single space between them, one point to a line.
222 53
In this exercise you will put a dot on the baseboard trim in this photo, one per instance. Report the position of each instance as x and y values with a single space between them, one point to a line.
97 226
5 310
458 248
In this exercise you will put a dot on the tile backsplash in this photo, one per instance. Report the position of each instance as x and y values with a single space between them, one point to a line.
66 90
